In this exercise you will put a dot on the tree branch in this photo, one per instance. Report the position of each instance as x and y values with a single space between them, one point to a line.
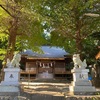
6 11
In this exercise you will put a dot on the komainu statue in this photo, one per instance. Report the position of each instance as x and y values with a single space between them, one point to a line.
78 63
15 61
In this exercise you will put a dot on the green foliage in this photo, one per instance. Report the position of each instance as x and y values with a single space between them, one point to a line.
68 23
64 21
3 46
90 50
29 29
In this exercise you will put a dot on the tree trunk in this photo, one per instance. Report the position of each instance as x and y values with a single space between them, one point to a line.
11 42
79 46
78 42
11 45
12 38
96 77
78 25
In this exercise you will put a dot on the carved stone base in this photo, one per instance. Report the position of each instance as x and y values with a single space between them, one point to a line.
82 88
81 84
4 88
12 76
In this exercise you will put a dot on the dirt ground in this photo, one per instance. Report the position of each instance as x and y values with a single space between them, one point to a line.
49 87
54 87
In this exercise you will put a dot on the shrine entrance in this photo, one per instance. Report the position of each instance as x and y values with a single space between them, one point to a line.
45 70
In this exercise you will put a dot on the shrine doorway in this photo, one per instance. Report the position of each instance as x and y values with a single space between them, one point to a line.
45 70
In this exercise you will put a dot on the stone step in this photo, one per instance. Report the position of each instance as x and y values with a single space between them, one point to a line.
81 83
82 88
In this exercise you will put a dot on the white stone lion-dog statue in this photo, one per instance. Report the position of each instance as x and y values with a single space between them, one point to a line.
15 61
78 63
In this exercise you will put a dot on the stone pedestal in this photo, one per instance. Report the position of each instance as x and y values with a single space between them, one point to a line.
80 83
11 81
12 76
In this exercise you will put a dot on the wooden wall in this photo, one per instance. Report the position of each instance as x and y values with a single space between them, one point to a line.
57 68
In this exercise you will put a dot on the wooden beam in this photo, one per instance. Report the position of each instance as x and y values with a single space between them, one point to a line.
32 58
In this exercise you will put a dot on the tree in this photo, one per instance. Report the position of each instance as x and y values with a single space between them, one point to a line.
70 22
20 23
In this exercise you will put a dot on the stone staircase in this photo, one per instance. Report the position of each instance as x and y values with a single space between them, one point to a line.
46 90
41 96
43 90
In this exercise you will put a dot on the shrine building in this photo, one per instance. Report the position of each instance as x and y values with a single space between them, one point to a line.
49 65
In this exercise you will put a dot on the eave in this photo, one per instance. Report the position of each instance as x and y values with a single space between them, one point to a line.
44 58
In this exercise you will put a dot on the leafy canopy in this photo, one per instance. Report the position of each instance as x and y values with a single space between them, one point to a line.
27 31
68 23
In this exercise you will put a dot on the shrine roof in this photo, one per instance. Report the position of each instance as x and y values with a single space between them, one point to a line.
48 51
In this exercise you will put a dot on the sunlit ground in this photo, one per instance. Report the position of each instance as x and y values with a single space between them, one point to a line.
49 88
55 89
